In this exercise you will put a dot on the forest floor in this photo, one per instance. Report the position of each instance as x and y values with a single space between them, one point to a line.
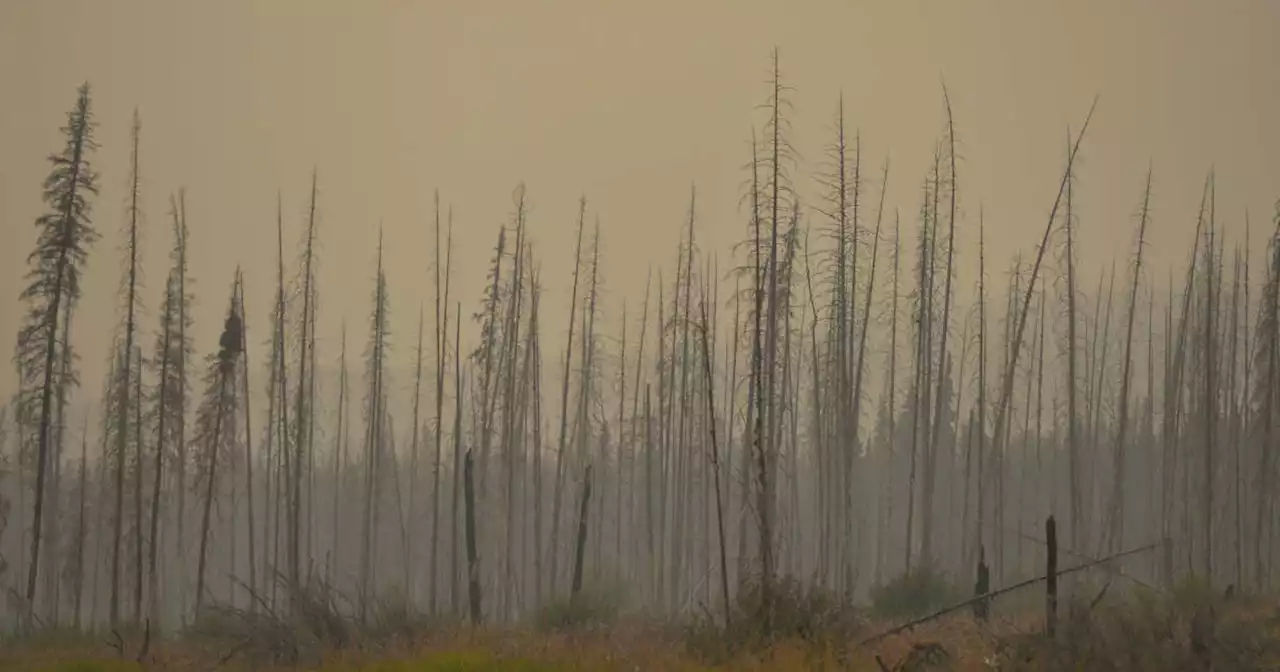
1131 632
621 648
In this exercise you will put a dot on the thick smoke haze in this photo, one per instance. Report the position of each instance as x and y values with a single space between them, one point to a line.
628 104
756 384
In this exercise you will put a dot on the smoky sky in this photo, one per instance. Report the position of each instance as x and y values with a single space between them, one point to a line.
631 104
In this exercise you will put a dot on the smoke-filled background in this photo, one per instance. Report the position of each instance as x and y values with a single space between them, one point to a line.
385 104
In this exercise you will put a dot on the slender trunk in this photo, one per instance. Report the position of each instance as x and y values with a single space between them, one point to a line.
80 523
919 384
457 459
138 557
1237 406
339 455
122 422
715 466
295 512
442 329
581 544
409 545
46 388
281 392
473 560
1006 391
1116 510
564 402
161 416
181 413
248 460
1074 459
765 453
982 384
212 478
892 396
536 356
1099 394
926 553
866 314
618 450
1210 391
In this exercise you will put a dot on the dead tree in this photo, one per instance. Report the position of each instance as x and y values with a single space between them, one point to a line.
65 234
442 345
215 419
581 544
473 558
375 357
303 409
129 291
926 548
564 401
1116 510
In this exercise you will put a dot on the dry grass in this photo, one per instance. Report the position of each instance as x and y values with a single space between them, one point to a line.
620 648
1134 631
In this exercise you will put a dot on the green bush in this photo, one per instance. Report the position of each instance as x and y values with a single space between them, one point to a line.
913 594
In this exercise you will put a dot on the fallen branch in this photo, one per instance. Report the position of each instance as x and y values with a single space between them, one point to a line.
1098 599
990 594
226 658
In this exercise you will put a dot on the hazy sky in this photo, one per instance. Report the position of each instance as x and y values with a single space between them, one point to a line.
627 102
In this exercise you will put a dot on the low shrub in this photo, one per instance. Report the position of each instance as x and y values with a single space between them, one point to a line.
591 608
1191 627
916 593
796 611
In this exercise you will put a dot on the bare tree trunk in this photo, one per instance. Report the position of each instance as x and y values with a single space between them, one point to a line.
1006 392
1116 510
248 462
80 129
282 393
1210 391
564 402
535 354
473 560
581 544
442 330
122 422
295 510
138 557
618 451
1237 406
715 466
919 382
230 348
1074 459
457 460
339 456
1269 333
926 551
507 374
982 383
409 545
892 395
80 524
377 415
866 317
